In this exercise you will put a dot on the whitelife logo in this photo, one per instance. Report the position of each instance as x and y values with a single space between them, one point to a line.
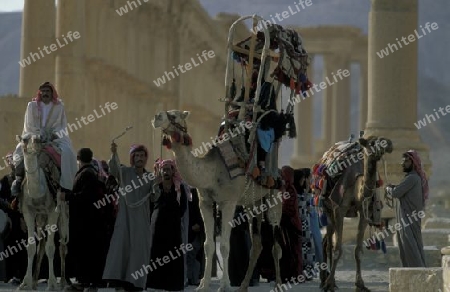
188 66
90 118
53 47
285 14
411 38
225 137
434 116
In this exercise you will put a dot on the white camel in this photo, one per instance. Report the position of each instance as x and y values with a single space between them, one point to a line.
209 175
39 211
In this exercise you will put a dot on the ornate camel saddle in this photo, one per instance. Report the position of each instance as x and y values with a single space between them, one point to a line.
339 169
50 162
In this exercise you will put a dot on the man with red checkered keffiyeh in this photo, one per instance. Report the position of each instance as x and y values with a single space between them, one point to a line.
411 193
129 249
45 116
166 227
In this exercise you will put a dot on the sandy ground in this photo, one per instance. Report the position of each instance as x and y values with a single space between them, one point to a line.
376 281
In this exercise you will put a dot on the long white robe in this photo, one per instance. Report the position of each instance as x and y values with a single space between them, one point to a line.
129 250
38 123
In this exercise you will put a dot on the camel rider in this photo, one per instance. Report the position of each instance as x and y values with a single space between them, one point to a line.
45 116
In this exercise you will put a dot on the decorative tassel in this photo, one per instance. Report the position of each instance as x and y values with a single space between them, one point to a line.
176 137
292 84
166 142
292 128
270 182
187 140
233 89
256 172
379 183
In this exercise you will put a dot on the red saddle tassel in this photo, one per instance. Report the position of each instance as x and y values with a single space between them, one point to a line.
166 142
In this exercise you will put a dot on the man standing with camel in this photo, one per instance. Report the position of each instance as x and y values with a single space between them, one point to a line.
412 193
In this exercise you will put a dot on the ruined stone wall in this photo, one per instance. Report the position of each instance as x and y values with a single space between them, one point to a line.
122 56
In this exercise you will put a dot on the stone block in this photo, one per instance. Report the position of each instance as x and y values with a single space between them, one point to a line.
437 223
446 269
375 259
415 279
437 237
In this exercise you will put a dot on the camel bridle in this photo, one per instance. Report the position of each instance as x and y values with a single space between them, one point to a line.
173 123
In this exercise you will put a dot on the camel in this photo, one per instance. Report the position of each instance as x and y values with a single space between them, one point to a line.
39 210
209 175
362 187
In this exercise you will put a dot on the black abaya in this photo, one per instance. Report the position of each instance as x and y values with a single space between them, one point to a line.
166 242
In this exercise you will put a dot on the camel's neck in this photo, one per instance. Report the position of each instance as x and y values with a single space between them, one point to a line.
370 172
190 167
33 173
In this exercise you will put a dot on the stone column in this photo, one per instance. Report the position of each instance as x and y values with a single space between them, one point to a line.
393 82
303 112
38 34
327 98
363 96
70 62
340 121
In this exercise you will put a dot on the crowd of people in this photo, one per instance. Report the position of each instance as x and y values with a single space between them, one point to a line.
152 234
108 245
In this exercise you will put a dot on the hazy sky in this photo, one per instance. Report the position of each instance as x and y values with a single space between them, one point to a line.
11 5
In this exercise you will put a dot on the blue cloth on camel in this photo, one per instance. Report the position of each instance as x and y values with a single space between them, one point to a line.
266 138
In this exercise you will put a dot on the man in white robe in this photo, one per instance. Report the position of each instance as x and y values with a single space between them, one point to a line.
45 116
127 263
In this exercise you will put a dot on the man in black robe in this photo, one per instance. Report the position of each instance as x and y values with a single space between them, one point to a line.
196 238
167 249
16 263
87 225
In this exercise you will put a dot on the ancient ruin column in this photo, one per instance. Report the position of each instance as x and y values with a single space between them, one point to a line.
70 63
393 82
363 95
336 103
327 103
340 85
38 34
303 112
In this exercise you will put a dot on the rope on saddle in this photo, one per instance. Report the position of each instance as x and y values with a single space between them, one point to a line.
388 199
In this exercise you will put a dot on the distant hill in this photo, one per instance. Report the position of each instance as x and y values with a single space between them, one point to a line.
10 33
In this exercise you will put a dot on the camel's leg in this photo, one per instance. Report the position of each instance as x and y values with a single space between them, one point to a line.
50 251
274 214
338 224
208 219
327 246
228 208
40 256
254 252
63 227
40 222
29 218
362 225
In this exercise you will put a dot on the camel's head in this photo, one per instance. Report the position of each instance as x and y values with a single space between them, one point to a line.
376 147
171 121
31 144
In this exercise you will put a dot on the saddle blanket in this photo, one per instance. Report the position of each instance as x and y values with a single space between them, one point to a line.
54 155
230 159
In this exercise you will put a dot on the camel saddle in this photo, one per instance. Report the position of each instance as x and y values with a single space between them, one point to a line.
50 162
